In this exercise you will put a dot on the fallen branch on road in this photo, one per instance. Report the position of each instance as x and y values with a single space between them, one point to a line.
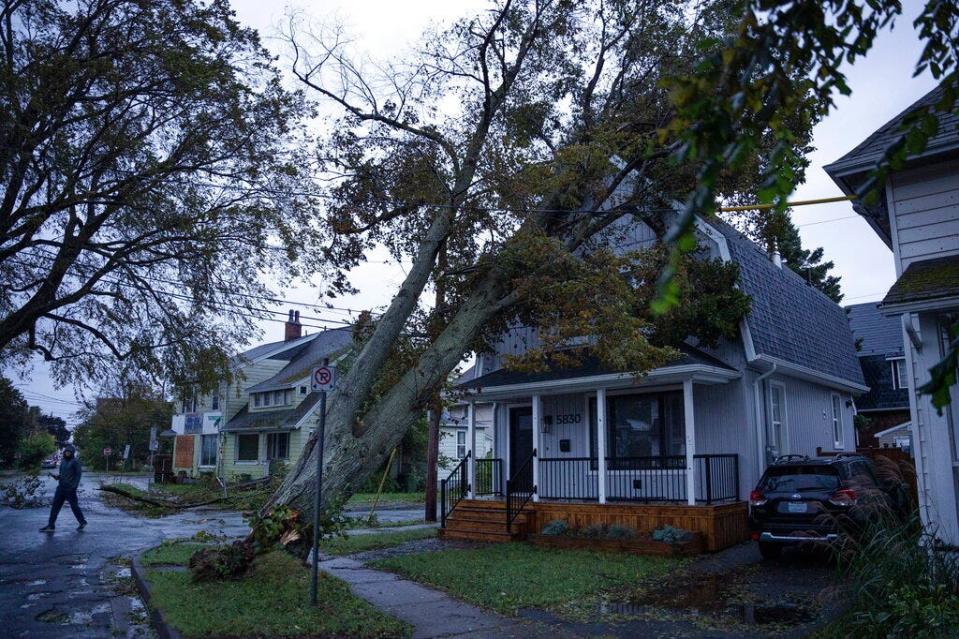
162 503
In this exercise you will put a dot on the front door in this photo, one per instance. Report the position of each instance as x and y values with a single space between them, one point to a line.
521 439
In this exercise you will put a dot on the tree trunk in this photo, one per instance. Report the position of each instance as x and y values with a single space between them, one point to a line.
356 446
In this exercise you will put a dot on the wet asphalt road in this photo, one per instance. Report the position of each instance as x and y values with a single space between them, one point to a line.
62 584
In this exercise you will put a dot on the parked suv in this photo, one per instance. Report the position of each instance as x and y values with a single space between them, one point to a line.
801 500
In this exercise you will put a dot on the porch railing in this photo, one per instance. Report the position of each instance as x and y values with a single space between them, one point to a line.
520 488
640 479
454 488
489 477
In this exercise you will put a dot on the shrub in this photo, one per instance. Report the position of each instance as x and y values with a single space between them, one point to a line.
35 448
593 531
616 531
671 535
556 527
902 585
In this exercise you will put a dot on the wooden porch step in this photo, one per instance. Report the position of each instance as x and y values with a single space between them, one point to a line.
479 525
480 514
473 535
486 504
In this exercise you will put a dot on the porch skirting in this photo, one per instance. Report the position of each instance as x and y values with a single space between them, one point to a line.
720 525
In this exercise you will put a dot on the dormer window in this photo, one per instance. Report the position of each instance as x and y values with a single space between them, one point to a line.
256 400
266 398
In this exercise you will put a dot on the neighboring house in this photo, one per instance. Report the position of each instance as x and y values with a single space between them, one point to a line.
879 346
454 433
685 443
917 216
265 416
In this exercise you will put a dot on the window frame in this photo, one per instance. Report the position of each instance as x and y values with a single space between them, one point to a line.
271 444
665 429
243 460
215 401
784 421
898 366
460 437
216 453
839 435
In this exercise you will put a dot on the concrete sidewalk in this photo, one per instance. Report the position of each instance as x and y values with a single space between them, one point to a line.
432 613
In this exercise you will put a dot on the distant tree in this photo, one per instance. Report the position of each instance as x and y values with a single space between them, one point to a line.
55 426
34 448
125 418
148 179
13 420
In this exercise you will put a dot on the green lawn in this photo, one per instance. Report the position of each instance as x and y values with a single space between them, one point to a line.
175 552
359 543
386 499
272 601
505 577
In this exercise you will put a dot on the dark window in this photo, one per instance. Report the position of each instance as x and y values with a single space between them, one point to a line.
642 425
208 450
216 402
278 446
898 374
797 479
256 399
302 390
248 447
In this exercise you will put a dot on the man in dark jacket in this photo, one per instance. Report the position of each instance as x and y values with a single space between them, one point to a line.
69 480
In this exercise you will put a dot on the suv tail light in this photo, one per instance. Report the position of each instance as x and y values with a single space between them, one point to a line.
757 498
843 497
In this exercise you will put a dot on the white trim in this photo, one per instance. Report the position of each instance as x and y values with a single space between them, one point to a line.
893 226
800 371
470 447
600 441
689 415
785 421
537 419
701 373
839 444
937 304
902 426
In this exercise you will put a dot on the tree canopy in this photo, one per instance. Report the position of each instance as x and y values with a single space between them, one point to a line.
151 178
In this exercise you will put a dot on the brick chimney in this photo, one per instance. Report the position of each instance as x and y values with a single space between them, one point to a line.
294 329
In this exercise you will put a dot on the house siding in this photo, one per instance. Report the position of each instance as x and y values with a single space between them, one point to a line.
926 212
809 417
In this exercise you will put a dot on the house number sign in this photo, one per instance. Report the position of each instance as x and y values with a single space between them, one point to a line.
572 418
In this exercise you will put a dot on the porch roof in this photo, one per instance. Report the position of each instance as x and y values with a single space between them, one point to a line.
692 364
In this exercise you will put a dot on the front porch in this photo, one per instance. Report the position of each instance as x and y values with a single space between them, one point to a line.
623 455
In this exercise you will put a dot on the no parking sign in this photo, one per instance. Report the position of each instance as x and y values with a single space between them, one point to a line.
324 378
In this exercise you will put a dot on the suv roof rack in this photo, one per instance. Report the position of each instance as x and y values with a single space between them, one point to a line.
785 459
844 455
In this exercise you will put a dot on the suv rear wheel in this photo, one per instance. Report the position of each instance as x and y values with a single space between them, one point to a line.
769 551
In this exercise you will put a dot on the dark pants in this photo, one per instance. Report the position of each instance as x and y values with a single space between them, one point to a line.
60 496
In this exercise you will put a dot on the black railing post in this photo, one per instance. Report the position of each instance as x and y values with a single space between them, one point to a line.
509 519
736 476
443 503
707 460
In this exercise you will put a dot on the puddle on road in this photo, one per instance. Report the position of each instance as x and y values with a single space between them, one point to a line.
712 595
37 582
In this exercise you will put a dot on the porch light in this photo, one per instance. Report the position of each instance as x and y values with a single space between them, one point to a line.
757 498
844 497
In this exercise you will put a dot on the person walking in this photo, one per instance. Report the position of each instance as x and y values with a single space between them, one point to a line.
69 481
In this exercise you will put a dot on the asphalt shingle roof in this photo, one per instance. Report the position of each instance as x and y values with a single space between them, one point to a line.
324 344
865 155
284 419
879 334
878 373
789 319
926 280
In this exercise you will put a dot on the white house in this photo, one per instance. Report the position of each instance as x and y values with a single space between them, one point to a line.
918 218
683 444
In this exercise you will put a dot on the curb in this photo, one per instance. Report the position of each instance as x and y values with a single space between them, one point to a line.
163 629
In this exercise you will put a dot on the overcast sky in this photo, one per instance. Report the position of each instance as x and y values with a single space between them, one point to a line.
882 86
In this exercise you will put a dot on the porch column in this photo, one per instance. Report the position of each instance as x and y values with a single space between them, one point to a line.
537 419
470 447
601 443
690 422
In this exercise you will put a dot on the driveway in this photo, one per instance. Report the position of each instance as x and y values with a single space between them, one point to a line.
64 584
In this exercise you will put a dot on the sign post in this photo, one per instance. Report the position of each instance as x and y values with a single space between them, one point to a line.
106 453
324 379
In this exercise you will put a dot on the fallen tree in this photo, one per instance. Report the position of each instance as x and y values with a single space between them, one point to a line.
520 185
